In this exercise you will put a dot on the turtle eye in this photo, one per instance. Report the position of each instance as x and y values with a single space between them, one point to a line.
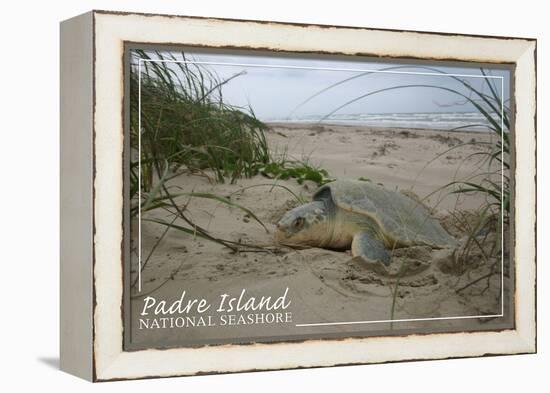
298 223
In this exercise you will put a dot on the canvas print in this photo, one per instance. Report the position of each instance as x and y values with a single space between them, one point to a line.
276 197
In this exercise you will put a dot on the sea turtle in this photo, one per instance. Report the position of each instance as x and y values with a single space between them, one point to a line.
365 216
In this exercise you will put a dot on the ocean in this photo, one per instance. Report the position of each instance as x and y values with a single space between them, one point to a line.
466 121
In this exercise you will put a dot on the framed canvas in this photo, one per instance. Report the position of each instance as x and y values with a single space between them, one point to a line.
247 195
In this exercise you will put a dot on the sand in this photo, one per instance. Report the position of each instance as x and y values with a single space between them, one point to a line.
330 294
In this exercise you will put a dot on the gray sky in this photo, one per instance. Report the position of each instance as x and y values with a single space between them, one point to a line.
276 93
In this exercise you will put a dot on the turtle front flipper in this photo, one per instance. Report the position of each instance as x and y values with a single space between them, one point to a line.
370 249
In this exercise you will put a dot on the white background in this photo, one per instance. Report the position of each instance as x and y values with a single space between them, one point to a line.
29 197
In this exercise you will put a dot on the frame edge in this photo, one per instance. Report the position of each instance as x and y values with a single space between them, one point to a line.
524 340
76 203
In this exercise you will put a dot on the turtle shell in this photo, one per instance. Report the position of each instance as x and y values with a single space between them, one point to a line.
401 219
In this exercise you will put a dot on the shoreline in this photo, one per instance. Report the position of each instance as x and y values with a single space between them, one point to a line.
298 124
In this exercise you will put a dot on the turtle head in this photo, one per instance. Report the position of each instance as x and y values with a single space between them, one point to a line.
305 225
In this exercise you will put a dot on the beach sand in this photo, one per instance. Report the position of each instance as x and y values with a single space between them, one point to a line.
326 286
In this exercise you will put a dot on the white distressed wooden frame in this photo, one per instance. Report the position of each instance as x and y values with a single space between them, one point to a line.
92 179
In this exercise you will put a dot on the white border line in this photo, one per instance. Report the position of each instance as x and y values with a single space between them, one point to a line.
502 196
250 65
317 324
395 320
139 176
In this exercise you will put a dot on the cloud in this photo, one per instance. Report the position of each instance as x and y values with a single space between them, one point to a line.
276 86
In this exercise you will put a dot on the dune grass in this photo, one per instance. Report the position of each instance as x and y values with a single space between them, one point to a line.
493 183
188 128
185 123
497 114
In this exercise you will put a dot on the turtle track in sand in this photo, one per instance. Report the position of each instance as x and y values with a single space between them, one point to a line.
351 277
